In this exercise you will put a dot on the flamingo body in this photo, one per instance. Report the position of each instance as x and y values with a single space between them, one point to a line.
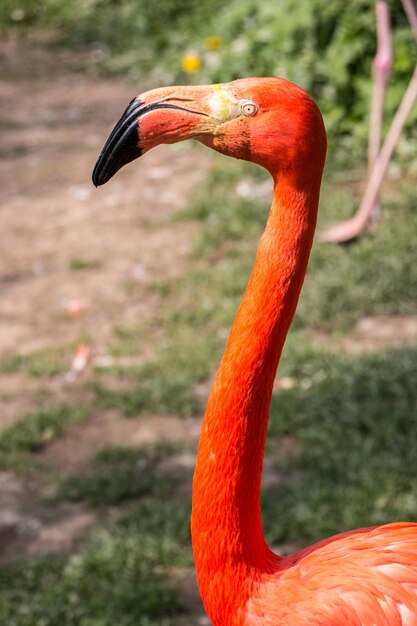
366 577
362 577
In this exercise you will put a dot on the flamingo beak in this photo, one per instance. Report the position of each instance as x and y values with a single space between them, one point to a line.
165 115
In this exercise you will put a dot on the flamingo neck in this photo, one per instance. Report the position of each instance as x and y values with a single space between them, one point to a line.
230 550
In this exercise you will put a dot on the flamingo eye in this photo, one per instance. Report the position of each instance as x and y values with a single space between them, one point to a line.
248 107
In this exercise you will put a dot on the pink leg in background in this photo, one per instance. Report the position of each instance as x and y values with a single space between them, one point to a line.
381 70
411 12
378 159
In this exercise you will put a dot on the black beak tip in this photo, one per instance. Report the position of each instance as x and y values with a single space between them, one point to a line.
99 172
104 169
121 147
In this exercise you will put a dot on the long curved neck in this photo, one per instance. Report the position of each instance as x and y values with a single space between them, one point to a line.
228 541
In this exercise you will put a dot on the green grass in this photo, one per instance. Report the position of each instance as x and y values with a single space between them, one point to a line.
119 474
344 282
78 264
376 275
119 576
166 384
36 430
21 464
352 422
127 338
121 572
47 363
33 432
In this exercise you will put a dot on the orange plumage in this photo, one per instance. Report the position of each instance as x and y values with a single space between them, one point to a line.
366 577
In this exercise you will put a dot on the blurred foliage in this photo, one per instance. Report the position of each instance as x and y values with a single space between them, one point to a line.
325 46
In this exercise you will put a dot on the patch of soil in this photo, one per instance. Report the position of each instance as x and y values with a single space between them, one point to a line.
71 453
54 122
371 334
29 529
383 331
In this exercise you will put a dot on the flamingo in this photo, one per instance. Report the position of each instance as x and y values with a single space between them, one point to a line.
379 157
364 577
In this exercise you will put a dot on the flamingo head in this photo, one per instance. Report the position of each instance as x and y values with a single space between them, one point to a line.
268 121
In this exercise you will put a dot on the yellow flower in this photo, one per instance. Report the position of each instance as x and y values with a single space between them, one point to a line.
191 62
213 43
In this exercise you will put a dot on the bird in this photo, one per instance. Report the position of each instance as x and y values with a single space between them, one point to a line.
379 156
364 577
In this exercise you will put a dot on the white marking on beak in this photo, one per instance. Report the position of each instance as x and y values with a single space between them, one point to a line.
223 105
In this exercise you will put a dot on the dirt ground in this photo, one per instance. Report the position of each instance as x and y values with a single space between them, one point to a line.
54 121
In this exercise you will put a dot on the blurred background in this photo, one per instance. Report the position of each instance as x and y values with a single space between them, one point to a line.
116 303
